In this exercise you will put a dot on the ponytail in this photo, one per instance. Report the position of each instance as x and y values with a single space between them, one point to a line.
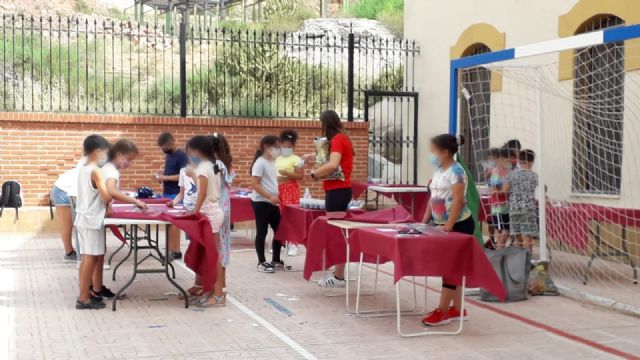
267 140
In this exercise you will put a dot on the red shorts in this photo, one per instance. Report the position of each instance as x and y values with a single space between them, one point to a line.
288 194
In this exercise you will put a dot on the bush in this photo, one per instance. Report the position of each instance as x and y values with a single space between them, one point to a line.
389 12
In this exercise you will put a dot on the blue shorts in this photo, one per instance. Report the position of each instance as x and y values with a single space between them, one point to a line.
59 197
169 196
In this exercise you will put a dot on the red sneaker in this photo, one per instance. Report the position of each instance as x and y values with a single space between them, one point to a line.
436 318
454 314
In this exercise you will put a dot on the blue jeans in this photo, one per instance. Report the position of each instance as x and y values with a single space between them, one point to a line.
59 197
169 196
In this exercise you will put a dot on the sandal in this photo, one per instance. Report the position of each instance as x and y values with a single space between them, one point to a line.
194 291
212 301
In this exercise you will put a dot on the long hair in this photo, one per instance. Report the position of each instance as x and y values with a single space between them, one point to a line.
222 149
448 142
331 124
267 140
122 146
204 145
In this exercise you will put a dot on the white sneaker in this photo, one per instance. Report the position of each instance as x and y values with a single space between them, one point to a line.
106 267
332 281
293 250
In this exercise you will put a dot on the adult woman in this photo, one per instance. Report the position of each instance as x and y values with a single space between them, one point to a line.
448 208
336 176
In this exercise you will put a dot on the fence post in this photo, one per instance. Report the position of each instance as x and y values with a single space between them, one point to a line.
183 69
350 80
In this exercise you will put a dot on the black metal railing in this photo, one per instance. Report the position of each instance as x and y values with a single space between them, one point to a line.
81 65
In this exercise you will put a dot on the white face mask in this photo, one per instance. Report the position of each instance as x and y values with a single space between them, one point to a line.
275 152
102 159
286 151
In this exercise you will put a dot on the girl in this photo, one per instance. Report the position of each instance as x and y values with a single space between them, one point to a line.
336 175
289 173
223 155
448 209
201 154
121 155
64 188
264 182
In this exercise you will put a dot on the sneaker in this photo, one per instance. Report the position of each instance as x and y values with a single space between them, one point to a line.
454 314
70 257
176 255
279 265
436 318
293 250
265 267
106 267
105 292
95 297
91 305
332 281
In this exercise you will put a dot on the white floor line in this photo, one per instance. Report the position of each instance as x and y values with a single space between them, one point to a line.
262 321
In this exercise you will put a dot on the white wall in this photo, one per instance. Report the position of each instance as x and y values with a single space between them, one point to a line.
437 25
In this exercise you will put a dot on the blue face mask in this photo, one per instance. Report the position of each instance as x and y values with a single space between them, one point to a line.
194 160
433 159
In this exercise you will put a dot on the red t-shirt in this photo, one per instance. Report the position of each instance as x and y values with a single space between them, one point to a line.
341 144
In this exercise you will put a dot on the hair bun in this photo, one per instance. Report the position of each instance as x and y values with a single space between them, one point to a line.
460 140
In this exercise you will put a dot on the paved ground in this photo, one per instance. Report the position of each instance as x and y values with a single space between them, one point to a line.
38 320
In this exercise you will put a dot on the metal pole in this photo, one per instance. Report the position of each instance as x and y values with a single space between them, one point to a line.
183 68
350 80
324 11
542 199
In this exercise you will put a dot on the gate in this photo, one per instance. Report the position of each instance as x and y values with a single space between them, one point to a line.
393 136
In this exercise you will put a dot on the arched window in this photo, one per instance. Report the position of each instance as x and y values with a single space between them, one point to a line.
475 112
598 112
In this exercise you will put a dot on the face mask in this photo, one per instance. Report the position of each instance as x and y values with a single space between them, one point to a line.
434 160
275 152
286 151
195 160
123 164
167 151
102 160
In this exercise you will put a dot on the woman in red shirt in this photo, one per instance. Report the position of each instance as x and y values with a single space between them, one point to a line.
336 176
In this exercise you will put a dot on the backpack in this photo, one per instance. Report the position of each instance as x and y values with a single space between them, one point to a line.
512 265
11 196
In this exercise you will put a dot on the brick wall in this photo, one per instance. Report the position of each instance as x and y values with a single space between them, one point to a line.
36 148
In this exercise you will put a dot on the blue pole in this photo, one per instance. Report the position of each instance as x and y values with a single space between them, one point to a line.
453 100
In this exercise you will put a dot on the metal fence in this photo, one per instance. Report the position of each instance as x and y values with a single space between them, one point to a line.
81 65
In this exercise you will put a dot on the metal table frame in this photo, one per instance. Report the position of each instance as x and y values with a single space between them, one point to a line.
134 247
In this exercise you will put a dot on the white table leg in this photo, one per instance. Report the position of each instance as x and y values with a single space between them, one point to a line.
423 333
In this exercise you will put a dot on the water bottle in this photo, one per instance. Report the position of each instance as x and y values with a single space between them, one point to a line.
307 194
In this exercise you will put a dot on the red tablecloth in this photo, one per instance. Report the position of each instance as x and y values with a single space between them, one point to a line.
420 199
324 238
296 221
201 255
449 255
241 209
569 223
147 201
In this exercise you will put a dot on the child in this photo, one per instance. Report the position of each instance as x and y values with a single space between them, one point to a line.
489 165
522 201
264 182
499 200
202 156
91 210
289 173
223 155
448 209
63 189
188 188
121 154
514 148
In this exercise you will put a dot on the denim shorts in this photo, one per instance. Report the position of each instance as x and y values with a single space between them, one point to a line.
59 197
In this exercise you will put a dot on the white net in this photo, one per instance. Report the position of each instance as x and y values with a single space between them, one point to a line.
584 128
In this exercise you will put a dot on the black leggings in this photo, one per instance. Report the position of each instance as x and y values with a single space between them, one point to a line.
337 199
266 215
467 226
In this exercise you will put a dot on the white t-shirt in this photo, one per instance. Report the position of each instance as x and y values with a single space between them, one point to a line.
190 189
205 169
266 170
110 172
90 209
442 193
68 180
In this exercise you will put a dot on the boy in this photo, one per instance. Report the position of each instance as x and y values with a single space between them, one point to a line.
175 159
522 201
499 201
91 208
514 148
